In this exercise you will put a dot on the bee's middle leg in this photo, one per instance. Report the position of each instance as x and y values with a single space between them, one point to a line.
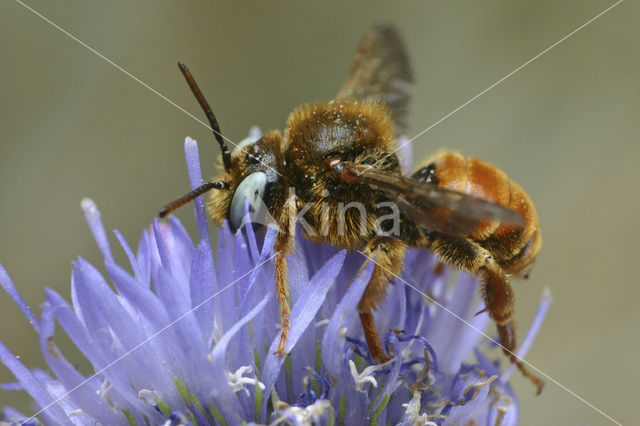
389 255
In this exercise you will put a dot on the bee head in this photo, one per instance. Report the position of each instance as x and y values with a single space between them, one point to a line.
248 171
254 171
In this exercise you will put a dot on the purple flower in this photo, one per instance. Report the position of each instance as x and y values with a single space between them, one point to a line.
178 337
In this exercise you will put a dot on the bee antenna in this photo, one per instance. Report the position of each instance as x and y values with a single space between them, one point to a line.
191 196
226 154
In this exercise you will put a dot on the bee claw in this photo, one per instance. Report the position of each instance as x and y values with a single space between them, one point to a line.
481 311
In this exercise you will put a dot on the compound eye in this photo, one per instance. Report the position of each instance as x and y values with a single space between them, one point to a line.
244 143
252 188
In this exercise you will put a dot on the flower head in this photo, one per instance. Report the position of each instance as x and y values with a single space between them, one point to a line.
179 337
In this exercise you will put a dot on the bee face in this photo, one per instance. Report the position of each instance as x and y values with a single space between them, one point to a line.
254 175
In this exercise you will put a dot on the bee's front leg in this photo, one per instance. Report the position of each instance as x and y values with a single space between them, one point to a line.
388 254
282 290
284 245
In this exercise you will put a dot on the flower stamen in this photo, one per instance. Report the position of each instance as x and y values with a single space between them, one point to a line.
367 374
237 381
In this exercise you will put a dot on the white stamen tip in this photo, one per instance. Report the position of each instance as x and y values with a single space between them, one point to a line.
367 374
412 412
237 381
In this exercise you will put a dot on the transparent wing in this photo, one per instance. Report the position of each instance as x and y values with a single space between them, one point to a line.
431 207
380 72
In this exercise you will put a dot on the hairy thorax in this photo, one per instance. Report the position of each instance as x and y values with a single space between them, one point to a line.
340 213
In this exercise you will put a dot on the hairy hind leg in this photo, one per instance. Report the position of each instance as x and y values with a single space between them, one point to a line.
388 254
495 289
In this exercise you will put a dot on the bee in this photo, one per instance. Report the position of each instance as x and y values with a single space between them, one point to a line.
468 212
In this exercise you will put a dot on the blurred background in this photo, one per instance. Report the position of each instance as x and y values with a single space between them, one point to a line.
565 127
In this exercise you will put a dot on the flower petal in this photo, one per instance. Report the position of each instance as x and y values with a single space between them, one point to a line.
203 284
227 315
251 236
195 177
83 393
12 291
144 259
34 387
182 248
341 321
228 403
302 314
110 323
83 340
132 258
145 301
92 215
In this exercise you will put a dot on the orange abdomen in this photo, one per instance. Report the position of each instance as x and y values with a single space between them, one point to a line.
514 248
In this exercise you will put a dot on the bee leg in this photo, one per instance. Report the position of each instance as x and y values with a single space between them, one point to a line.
282 290
371 336
284 244
498 297
388 254
496 290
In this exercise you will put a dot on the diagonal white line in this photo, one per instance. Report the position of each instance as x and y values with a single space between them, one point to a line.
533 367
495 84
147 340
142 83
